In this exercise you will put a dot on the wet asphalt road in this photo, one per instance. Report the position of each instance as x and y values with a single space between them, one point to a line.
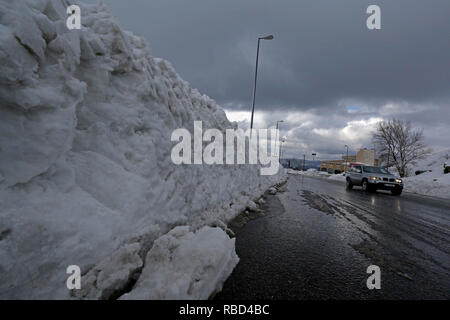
317 239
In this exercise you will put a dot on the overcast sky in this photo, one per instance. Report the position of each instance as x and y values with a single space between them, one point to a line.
325 74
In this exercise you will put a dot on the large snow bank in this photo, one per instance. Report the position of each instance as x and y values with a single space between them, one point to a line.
184 265
433 182
85 169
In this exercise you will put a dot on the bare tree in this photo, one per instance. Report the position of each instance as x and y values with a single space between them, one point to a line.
399 145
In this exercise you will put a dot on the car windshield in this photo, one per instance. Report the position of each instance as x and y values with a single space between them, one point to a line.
375 170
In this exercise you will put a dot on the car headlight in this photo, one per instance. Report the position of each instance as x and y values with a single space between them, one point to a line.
374 178
398 180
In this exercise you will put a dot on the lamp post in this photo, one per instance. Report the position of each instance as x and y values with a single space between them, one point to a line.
270 37
281 149
346 160
278 140
279 122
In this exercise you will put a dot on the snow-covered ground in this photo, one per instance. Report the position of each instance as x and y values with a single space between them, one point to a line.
433 182
86 176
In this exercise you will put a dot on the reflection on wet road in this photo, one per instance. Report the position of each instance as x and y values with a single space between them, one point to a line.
317 240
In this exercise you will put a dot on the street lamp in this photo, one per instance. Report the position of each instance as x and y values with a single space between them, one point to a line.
279 122
346 160
281 149
270 37
278 140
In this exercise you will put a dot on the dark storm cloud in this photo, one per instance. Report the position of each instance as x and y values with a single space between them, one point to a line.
323 57
322 51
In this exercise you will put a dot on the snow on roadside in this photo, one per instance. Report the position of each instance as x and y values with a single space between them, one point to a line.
85 139
433 182
186 265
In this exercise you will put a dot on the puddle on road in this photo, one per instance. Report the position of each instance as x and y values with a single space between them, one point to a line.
327 204
317 202
378 255
369 246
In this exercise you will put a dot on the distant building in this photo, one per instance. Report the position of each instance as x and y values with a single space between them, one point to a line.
333 166
365 156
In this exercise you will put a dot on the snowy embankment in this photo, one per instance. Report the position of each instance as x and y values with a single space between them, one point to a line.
86 176
432 182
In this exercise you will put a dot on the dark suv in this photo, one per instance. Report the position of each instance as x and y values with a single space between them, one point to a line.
373 178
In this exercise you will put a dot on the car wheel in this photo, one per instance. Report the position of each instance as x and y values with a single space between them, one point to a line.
349 184
366 186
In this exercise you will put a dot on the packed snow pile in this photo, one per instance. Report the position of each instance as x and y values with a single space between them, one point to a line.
86 176
432 181
184 265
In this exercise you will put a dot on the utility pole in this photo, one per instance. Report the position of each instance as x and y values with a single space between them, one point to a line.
346 160
281 149
304 162
278 141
